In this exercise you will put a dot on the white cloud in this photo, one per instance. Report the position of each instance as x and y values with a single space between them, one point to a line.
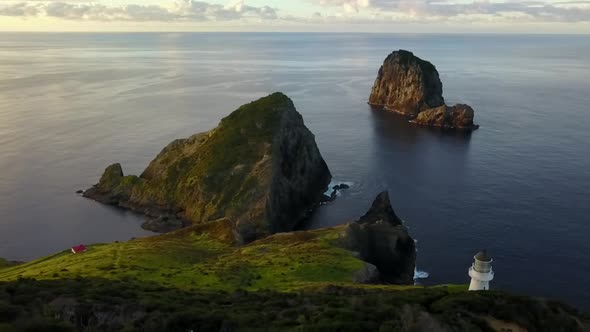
440 10
331 11
180 11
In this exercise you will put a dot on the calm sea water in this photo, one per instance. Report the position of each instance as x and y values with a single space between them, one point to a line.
70 104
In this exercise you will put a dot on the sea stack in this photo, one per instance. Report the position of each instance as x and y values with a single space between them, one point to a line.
411 86
260 168
381 238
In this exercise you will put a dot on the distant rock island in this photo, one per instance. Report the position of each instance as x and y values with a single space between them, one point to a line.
411 86
260 168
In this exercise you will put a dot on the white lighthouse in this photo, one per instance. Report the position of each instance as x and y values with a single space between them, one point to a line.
481 272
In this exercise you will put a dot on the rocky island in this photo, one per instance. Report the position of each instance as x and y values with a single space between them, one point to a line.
411 86
260 168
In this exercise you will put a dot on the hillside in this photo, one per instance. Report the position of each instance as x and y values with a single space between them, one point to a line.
202 258
199 278
210 257
260 168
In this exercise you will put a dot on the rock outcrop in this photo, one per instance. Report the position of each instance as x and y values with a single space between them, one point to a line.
411 86
459 116
4 263
381 239
407 84
260 168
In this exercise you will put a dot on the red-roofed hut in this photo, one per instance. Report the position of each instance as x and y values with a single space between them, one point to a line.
79 249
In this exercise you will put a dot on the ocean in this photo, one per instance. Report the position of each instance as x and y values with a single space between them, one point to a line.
71 104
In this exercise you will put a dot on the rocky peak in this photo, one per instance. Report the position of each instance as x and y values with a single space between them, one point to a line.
407 84
381 239
381 210
111 177
260 168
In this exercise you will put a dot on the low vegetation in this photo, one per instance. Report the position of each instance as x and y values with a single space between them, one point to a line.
199 279
204 257
96 304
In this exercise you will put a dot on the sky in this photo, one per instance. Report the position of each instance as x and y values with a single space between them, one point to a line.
394 16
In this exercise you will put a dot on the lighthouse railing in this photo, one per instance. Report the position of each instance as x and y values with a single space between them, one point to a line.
482 267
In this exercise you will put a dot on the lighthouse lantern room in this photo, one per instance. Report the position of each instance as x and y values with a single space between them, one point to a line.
481 272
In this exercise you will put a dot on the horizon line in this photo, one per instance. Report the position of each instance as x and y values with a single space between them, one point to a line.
545 33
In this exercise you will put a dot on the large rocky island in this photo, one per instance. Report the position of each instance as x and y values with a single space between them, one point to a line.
260 168
411 86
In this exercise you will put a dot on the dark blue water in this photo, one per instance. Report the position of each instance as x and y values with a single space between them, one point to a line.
70 104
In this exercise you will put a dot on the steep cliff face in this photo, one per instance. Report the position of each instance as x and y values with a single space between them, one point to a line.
407 84
260 168
411 86
381 239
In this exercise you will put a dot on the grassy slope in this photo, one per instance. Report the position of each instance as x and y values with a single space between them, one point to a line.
203 258
196 277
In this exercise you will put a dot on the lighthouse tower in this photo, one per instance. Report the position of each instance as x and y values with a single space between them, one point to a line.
481 272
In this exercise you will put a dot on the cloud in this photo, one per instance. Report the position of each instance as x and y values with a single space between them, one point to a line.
180 11
440 10
334 11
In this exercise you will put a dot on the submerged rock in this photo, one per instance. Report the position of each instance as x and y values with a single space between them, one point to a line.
332 194
260 168
342 186
411 86
381 239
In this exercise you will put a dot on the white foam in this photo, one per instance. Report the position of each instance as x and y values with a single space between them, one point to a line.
420 274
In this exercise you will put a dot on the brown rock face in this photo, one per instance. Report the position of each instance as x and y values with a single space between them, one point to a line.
407 84
459 116
381 239
411 86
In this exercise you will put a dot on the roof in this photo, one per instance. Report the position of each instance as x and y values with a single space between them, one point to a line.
483 256
79 248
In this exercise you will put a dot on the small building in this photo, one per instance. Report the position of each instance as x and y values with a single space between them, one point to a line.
481 272
79 249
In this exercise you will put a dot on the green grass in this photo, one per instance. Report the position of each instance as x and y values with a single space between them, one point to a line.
203 258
